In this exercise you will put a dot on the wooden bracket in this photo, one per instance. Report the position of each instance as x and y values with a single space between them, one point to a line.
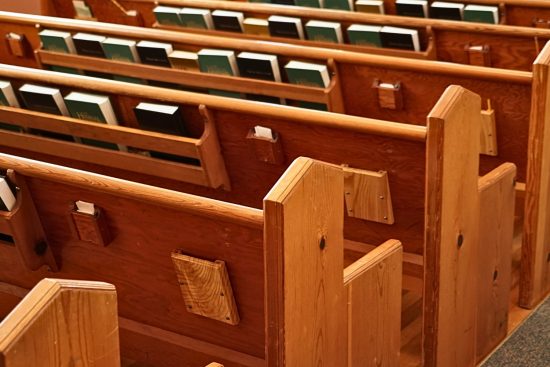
206 288
488 130
540 23
23 225
265 149
389 95
92 228
367 195
478 55
17 44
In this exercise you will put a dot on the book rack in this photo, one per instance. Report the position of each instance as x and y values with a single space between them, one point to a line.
23 225
428 54
210 173
331 96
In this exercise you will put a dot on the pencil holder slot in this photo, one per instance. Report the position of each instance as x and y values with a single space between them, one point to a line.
265 149
92 228
17 44
390 95
22 228
479 55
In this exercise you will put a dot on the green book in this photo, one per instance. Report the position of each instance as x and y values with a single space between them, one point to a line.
311 75
96 108
8 98
61 42
122 50
196 18
260 1
219 62
481 14
339 4
324 31
310 3
167 15
365 35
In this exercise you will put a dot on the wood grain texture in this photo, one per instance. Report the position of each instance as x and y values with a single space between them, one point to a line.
488 142
206 288
452 230
367 195
494 257
305 298
62 322
535 252
373 286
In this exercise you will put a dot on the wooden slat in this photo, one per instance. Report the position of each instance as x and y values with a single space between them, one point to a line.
494 256
60 322
305 299
373 285
535 252
452 212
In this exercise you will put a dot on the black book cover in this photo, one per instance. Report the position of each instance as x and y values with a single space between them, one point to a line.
445 13
167 123
262 98
228 24
397 40
283 2
43 103
257 69
410 10
92 49
153 56
283 29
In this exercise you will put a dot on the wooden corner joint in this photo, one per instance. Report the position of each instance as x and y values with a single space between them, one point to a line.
206 288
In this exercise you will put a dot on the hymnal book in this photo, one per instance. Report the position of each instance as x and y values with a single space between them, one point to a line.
257 26
412 8
96 108
90 45
403 38
57 41
184 60
282 2
122 50
286 27
219 62
448 11
81 9
481 14
311 75
160 118
8 98
365 35
324 31
339 4
229 21
196 18
154 53
260 66
167 15
7 196
370 6
311 3
47 100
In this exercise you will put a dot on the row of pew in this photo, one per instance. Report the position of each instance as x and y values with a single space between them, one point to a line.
444 213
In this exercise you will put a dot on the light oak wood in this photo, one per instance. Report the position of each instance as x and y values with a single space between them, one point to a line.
62 322
373 285
215 365
206 288
488 142
452 238
494 257
304 242
367 195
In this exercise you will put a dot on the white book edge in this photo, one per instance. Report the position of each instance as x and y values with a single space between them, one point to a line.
160 108
85 207
263 132
9 94
6 195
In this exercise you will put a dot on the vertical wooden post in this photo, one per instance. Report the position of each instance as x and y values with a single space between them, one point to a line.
452 229
305 300
535 251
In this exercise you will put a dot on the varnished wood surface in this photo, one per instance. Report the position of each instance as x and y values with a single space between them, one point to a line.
60 322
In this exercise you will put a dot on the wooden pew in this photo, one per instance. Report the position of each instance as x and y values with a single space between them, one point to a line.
62 322
295 236
502 46
383 146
